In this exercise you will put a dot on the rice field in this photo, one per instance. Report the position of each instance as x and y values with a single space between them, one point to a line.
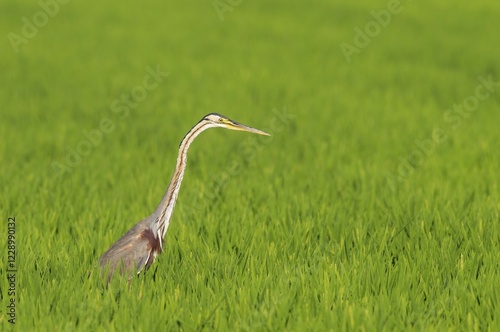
374 205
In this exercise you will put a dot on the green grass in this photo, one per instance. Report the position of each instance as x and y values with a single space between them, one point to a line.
328 225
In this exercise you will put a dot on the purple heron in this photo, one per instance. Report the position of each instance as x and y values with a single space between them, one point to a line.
137 249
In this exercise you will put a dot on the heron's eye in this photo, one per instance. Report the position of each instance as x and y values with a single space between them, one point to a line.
221 120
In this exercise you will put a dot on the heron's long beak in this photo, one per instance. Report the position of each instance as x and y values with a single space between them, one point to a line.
241 127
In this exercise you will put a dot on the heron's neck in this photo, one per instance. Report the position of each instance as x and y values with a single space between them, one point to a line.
164 211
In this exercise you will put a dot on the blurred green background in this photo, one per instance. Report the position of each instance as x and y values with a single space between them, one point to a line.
374 205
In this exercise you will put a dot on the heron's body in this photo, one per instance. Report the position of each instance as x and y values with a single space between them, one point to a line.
137 249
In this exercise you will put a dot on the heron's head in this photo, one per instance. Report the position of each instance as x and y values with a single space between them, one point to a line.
218 120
